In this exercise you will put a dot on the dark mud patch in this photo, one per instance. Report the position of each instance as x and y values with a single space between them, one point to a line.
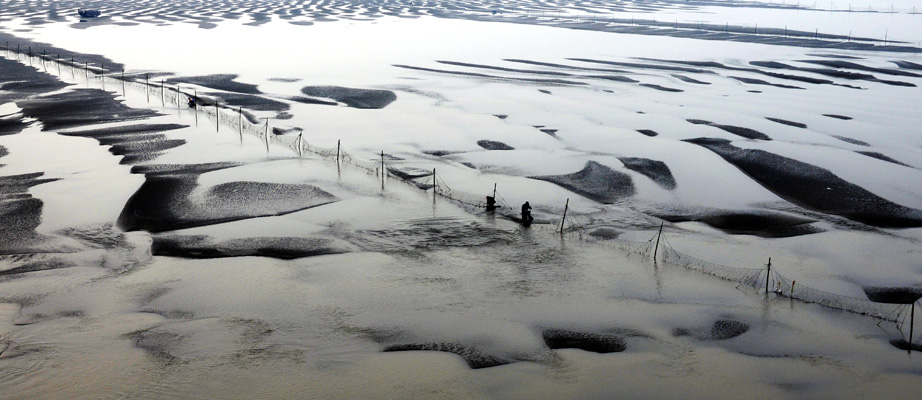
813 187
834 73
356 98
158 343
125 130
142 151
661 88
409 174
181 169
564 66
836 56
441 153
879 156
644 66
545 91
285 80
842 117
595 181
648 132
99 236
493 77
686 79
251 102
788 123
756 223
427 233
503 69
908 65
493 145
36 265
307 100
501 116
286 248
858 67
11 125
226 82
593 342
20 212
19 81
605 233
852 141
136 143
613 78
722 329
736 130
893 295
80 107
166 202
903 344
765 64
657 171
474 357
550 132
753 81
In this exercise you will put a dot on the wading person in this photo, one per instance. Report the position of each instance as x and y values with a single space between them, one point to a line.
526 214
491 203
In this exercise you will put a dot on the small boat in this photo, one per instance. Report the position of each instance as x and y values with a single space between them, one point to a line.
88 13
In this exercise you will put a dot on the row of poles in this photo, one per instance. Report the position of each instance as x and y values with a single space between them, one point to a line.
339 158
769 280
700 25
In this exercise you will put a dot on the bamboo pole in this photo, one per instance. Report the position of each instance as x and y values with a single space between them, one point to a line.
768 273
563 220
300 143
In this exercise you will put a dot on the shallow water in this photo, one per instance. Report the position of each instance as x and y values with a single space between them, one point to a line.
106 318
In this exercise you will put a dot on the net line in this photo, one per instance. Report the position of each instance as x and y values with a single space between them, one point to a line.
783 286
778 284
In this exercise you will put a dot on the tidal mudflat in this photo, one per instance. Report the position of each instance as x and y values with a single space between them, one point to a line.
314 226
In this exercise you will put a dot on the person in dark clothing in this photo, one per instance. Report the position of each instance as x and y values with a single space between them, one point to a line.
491 203
526 213
191 102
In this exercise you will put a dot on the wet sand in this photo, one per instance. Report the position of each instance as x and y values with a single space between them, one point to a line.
156 251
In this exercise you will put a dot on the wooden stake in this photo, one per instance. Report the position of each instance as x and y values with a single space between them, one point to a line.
337 151
656 247
435 185
383 171
267 134
768 273
564 218
300 144
912 322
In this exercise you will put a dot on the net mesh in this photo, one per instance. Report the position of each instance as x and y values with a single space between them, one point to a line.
783 286
563 221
